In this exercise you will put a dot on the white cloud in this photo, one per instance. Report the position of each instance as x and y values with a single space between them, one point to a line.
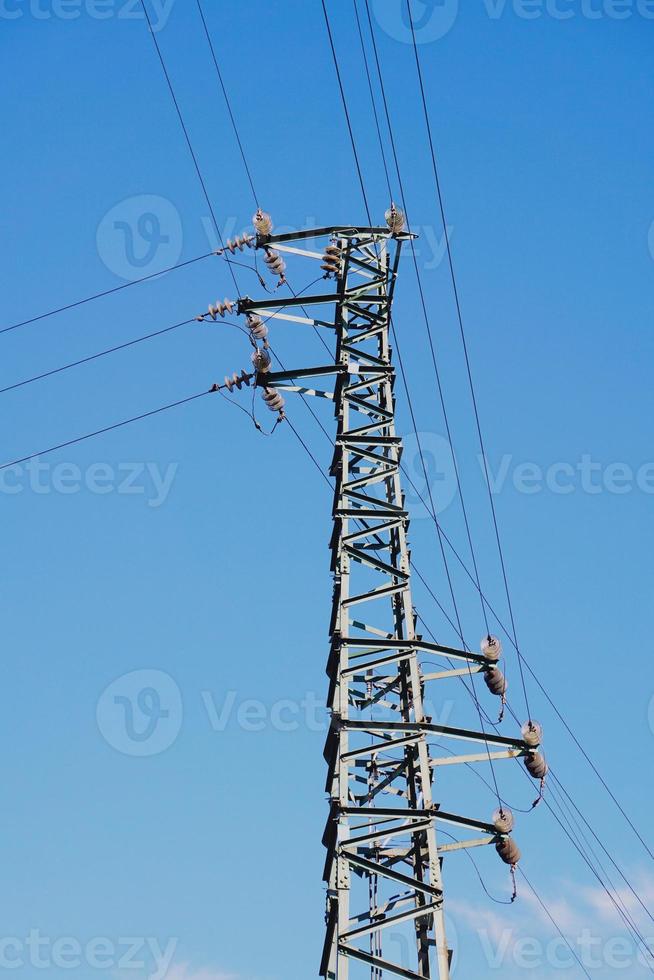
585 915
182 971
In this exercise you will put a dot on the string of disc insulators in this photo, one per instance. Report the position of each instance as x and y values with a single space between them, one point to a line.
238 244
331 260
535 763
263 224
257 329
261 360
532 732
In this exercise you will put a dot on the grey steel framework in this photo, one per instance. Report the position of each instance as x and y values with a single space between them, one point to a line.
383 871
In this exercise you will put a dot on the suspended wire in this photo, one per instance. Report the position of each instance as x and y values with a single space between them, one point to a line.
93 357
444 557
472 693
554 922
186 134
582 838
250 413
475 771
628 922
569 802
228 103
358 167
564 824
570 836
583 846
498 901
310 454
347 112
157 333
631 927
530 669
106 292
197 166
465 349
362 188
374 102
107 428
424 309
132 343
589 760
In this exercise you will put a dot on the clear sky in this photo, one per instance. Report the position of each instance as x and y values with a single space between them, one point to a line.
192 549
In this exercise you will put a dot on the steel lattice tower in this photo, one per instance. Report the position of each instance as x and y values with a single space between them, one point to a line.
383 872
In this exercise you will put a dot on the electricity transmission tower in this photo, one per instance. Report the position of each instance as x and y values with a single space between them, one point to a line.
383 871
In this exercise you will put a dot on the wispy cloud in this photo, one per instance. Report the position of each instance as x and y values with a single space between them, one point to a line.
524 936
182 971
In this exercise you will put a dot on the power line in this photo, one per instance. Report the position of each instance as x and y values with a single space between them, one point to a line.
245 162
424 309
346 110
476 581
553 921
186 134
132 343
567 797
107 428
615 901
572 838
106 292
93 357
373 101
626 918
465 348
444 557
582 847
530 669
227 101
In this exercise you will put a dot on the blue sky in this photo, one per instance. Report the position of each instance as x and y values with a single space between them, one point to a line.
192 549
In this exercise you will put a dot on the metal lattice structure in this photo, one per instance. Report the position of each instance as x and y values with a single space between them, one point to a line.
383 871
